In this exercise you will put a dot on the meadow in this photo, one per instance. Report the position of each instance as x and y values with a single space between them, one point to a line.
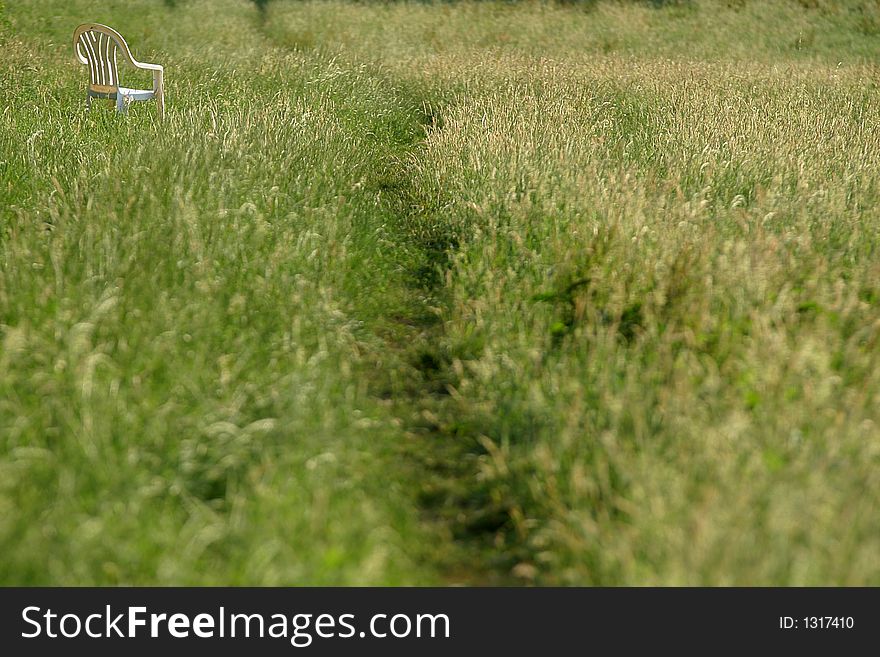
443 293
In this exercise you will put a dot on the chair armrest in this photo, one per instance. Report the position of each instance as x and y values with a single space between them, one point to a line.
158 74
148 67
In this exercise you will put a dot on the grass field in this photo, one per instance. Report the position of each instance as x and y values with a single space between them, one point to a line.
439 293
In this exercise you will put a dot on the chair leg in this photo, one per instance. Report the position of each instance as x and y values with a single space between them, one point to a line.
121 106
88 102
160 103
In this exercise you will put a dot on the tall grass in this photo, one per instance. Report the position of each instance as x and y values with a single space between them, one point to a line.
621 262
662 326
665 325
186 313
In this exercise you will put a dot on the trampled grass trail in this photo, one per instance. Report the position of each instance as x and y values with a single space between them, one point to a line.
478 293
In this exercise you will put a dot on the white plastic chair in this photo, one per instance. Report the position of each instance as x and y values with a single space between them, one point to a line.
96 45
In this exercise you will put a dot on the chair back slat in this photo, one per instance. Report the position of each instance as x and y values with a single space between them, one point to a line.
100 50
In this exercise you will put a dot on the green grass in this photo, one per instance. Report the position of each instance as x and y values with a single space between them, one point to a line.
433 293
187 311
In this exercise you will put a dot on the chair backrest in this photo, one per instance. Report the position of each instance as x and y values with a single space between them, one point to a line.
97 45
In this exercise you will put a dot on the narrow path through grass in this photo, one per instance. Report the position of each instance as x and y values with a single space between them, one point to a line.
443 451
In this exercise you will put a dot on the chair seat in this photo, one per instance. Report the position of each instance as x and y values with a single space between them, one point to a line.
136 94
